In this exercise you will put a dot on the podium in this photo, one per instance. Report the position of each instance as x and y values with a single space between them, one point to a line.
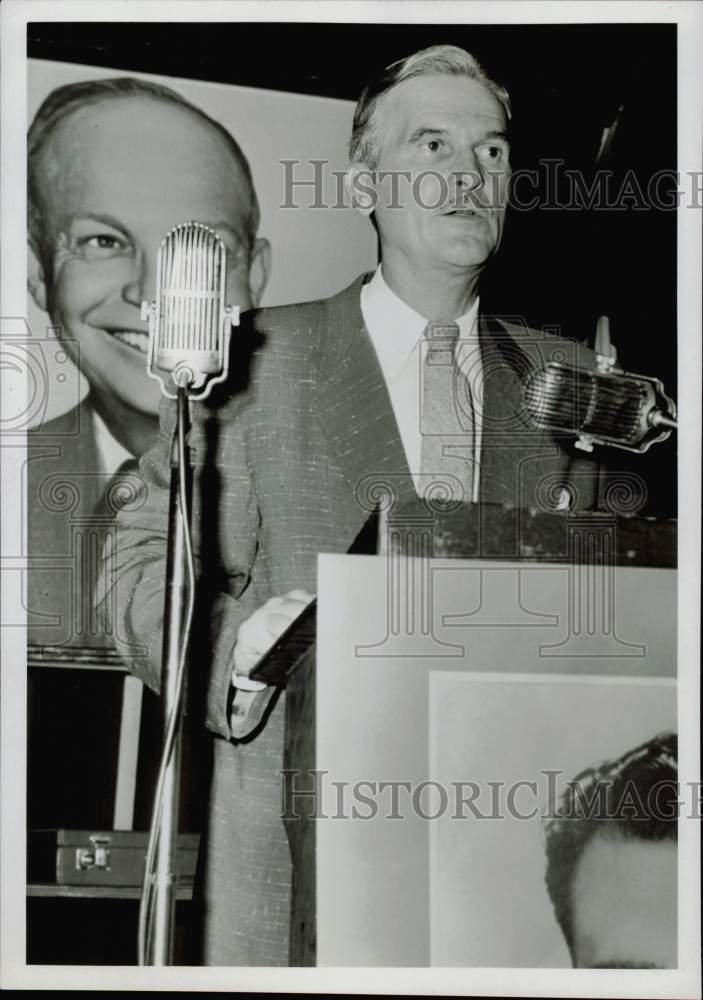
457 682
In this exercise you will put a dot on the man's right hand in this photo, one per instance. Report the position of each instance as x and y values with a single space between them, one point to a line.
260 631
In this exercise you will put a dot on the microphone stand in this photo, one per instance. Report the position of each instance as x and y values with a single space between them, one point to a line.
176 629
189 337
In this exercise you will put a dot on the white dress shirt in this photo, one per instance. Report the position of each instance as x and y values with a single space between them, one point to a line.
396 332
111 453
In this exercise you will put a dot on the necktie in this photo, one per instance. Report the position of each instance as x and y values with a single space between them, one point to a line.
446 418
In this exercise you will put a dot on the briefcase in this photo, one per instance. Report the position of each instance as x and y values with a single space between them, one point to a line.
100 857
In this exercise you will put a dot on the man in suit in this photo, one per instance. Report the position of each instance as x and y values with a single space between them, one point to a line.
335 392
103 191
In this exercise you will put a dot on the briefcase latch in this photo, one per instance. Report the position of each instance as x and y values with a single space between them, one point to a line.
97 856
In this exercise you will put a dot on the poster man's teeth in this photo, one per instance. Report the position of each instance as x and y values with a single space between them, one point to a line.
139 341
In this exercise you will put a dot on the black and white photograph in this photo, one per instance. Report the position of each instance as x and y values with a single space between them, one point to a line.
350 441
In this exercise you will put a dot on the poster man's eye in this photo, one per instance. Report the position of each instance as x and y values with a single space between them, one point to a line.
102 242
101 245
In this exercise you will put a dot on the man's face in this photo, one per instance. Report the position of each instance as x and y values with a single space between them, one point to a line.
116 177
624 904
449 133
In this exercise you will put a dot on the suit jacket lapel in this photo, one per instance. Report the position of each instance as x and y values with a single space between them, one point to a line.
514 455
354 408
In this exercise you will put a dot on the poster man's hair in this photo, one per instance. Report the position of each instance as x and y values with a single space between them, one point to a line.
64 101
634 797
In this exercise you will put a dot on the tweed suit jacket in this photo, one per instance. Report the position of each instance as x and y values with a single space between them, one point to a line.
279 455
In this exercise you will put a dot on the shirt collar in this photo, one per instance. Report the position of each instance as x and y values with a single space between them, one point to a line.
111 453
395 328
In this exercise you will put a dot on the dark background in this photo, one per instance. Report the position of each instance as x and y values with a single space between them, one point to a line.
556 267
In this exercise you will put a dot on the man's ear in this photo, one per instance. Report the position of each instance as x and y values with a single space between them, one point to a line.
36 282
360 188
259 269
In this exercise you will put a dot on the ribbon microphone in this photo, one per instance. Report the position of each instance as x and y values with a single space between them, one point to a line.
604 405
189 324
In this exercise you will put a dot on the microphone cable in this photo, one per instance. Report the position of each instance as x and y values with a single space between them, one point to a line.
146 904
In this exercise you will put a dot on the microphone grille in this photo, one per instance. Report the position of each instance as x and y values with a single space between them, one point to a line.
579 401
191 276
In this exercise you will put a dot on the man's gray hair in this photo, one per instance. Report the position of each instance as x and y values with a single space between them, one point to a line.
64 101
438 60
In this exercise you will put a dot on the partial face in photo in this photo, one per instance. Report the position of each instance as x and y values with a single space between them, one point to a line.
116 176
449 134
624 904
